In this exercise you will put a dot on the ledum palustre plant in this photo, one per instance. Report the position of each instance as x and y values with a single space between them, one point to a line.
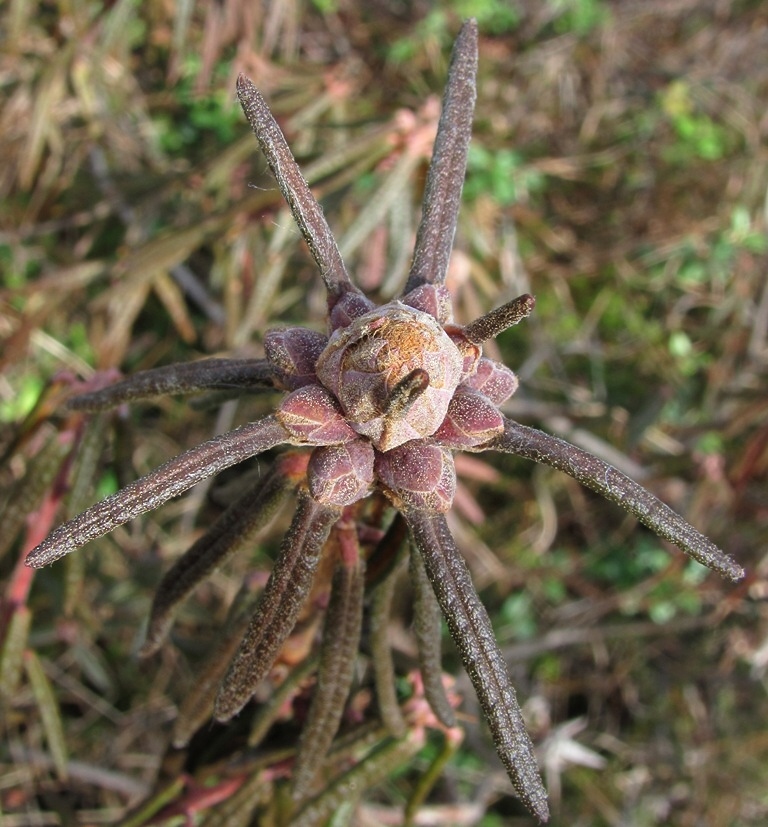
381 402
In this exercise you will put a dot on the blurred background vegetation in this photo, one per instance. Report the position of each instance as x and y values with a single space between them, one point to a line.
618 171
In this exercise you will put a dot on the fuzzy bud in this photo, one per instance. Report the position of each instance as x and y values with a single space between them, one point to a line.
472 419
312 416
494 380
341 474
420 475
367 362
293 353
349 307
434 299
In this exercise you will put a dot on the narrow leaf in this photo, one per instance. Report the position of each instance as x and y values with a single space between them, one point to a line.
282 599
426 625
197 706
381 654
338 654
306 211
89 451
174 301
442 195
606 480
235 528
159 486
429 777
160 799
473 635
498 320
189 377
270 709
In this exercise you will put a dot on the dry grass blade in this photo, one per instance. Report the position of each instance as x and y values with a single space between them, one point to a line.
12 648
238 809
159 486
50 715
43 129
172 297
84 472
474 637
27 495
370 770
392 192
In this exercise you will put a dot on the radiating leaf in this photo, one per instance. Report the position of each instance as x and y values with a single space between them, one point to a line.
338 653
